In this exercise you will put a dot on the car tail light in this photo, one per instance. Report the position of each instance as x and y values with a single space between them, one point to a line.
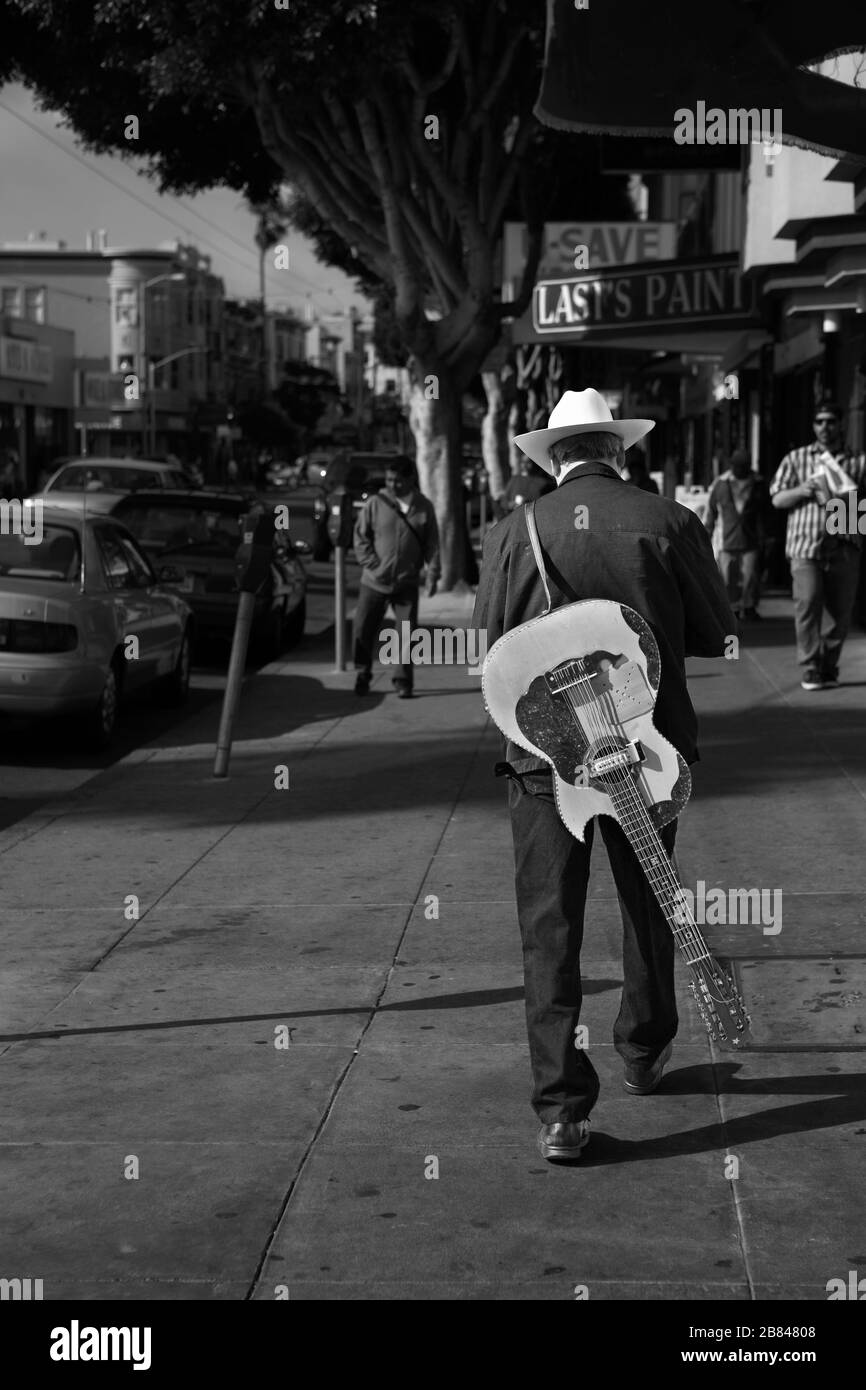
17 635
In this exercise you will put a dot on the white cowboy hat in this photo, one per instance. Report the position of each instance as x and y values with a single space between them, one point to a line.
579 412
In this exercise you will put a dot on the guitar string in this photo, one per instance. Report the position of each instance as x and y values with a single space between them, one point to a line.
647 839
707 977
699 966
646 835
713 999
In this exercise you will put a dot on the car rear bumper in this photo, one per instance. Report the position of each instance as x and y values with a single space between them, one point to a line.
46 686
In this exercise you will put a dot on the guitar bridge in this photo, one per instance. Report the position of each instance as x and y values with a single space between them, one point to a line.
628 756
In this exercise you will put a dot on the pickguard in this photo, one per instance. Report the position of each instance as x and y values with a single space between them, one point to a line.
547 723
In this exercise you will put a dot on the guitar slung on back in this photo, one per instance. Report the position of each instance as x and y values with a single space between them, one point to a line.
577 687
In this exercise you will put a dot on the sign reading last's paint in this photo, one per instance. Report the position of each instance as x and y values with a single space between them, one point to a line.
709 291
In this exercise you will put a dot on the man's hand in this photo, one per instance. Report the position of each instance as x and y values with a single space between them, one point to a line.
432 586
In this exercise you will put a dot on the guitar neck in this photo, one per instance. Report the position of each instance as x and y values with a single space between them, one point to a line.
661 875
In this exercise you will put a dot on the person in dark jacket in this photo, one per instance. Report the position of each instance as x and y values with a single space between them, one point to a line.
396 536
526 485
739 497
640 549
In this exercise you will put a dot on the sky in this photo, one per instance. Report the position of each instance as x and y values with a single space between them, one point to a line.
51 184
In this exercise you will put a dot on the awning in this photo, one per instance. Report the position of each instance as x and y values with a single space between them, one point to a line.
624 67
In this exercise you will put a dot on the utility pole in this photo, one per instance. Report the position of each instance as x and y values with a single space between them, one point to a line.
266 353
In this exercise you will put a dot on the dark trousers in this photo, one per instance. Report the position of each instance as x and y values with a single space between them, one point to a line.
369 612
827 582
551 877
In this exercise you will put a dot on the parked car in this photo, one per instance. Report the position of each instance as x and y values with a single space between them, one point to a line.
69 605
192 540
308 518
99 483
283 474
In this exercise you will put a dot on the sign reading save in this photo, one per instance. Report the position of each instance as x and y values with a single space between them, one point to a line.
573 246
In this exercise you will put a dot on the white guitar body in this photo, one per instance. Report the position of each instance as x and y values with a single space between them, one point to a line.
579 630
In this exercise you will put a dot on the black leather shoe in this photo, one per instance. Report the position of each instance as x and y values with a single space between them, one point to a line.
561 1143
641 1081
403 689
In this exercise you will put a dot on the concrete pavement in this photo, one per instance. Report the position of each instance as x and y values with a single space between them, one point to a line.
263 1042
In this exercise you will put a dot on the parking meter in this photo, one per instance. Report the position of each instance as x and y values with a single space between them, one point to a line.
341 518
254 555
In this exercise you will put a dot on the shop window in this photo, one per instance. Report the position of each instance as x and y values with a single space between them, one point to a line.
34 304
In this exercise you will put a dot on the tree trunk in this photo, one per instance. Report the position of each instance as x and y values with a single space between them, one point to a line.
516 425
435 420
494 436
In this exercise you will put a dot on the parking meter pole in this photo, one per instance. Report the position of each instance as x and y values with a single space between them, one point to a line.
252 566
483 520
231 699
339 608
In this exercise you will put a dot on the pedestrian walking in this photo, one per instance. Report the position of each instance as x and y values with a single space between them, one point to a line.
825 564
10 481
526 485
637 473
396 536
653 555
738 498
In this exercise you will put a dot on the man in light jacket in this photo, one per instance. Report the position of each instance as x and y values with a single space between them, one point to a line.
396 536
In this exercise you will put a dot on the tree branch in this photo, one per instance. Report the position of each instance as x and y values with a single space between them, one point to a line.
512 168
296 165
408 303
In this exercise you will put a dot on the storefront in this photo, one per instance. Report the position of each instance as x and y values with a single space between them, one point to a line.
36 398
658 333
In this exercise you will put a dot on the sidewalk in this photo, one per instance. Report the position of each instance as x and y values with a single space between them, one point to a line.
160 1143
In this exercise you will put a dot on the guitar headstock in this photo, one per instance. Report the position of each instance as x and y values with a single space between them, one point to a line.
720 1004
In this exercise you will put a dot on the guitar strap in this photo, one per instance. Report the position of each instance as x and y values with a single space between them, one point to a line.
529 511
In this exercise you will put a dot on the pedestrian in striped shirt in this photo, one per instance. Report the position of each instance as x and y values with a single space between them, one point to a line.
825 565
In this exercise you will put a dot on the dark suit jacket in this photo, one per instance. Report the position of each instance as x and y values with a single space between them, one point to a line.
635 548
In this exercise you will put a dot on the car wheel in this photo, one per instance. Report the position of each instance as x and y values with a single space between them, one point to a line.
98 725
176 686
295 624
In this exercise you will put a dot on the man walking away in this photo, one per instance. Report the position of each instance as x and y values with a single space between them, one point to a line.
824 567
653 555
738 496
395 537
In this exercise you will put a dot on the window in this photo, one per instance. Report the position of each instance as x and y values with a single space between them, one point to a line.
142 574
174 374
126 306
10 302
34 304
115 561
57 556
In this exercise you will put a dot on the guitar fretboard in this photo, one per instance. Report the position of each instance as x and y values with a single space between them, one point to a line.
661 875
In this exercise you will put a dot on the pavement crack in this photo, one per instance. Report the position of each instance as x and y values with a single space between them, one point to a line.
374 1010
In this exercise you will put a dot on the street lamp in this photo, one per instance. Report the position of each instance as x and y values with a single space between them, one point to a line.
143 287
152 368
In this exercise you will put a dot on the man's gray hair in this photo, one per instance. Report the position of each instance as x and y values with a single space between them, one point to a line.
582 448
